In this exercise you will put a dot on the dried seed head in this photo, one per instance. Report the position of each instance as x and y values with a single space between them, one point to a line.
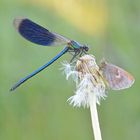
86 65
88 81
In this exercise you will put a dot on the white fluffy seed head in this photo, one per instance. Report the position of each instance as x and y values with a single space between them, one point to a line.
88 80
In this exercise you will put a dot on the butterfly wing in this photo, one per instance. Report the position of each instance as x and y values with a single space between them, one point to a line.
116 77
38 34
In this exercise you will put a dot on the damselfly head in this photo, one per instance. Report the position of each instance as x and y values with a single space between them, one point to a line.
86 48
116 77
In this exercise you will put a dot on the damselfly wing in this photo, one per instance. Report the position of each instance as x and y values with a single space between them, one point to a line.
38 34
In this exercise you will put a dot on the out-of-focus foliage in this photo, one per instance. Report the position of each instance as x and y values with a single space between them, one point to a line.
88 16
38 110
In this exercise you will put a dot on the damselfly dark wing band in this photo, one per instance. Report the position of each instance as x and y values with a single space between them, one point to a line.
38 34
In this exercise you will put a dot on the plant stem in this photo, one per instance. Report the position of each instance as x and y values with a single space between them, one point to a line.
94 117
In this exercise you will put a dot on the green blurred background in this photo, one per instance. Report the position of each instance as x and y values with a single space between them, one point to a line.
39 110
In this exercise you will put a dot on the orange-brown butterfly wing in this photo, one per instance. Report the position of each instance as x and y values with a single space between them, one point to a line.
116 77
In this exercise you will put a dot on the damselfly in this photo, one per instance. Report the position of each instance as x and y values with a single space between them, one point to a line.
41 36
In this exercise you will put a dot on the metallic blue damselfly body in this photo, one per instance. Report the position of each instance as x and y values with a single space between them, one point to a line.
41 36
